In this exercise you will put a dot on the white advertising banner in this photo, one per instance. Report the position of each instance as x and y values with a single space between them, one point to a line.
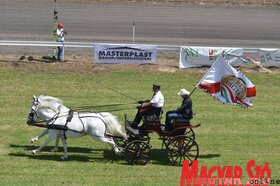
269 57
125 53
206 56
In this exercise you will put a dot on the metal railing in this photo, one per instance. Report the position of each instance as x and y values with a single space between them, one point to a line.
89 45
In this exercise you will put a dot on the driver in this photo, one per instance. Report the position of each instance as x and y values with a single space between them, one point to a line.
149 107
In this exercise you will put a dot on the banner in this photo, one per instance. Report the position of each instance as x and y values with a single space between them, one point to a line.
206 56
125 53
269 57
228 85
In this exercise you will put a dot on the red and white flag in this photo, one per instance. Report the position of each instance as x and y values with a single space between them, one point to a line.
228 85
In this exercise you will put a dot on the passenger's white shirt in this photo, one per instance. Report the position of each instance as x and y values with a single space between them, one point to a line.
157 100
60 34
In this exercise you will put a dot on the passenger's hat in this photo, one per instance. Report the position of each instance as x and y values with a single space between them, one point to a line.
183 92
156 85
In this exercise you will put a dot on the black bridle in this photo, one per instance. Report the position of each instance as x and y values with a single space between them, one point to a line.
33 113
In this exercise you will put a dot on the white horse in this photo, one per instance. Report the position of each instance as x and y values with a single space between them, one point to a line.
63 123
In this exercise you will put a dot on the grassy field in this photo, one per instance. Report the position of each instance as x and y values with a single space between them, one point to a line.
228 135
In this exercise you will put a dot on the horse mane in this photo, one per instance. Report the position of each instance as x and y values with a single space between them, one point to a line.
50 102
49 99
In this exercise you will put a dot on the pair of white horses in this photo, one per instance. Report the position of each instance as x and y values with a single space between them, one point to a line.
50 110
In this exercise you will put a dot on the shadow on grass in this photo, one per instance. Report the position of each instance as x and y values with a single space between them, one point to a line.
48 148
208 156
82 154
159 157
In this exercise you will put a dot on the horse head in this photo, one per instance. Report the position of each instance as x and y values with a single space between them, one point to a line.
44 109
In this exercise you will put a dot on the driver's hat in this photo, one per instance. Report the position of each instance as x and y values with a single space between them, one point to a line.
183 92
156 86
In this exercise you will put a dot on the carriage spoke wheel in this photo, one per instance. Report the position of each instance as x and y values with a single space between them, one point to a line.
190 133
181 148
137 153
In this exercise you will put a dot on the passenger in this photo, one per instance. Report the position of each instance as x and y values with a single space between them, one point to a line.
149 107
183 112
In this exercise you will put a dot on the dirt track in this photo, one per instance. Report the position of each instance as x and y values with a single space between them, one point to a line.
176 23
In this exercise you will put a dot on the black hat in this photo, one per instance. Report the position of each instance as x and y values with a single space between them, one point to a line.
156 85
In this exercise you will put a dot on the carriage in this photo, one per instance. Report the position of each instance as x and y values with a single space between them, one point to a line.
133 144
179 143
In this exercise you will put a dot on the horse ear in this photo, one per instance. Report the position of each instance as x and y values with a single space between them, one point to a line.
34 98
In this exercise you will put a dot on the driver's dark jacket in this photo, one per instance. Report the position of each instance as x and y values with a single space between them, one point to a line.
186 108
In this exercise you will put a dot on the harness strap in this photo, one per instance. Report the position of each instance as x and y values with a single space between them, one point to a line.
69 119
57 127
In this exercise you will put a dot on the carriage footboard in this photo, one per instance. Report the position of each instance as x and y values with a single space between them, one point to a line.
131 130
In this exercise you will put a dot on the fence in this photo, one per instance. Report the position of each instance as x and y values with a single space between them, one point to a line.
269 56
89 45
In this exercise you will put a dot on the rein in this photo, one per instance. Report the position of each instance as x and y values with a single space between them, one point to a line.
97 107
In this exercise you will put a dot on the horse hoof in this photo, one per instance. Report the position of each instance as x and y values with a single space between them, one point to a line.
54 149
63 157
33 152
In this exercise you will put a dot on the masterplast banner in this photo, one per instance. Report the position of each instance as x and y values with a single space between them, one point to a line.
206 56
125 53
269 57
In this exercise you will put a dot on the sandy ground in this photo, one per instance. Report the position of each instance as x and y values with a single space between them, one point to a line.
83 64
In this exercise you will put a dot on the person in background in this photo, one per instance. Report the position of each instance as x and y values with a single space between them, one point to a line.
149 107
60 38
183 112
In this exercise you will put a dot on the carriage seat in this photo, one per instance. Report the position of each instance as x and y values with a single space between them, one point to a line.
154 117
182 121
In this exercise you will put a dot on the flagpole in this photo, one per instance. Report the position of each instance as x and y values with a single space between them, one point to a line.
192 91
205 75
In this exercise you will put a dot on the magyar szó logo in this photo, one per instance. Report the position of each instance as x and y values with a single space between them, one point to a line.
233 88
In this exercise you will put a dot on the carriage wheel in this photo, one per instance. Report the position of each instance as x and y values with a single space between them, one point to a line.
190 133
145 138
137 153
181 148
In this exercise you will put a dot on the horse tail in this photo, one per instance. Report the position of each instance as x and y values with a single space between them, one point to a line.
113 125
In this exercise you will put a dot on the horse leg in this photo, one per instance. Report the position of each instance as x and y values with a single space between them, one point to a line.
110 141
52 134
59 135
38 137
65 156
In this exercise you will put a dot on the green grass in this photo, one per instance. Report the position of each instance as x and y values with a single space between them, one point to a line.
228 135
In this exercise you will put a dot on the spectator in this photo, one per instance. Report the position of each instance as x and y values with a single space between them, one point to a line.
60 38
